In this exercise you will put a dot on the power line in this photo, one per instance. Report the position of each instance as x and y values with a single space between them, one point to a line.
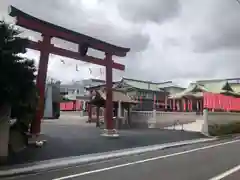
238 1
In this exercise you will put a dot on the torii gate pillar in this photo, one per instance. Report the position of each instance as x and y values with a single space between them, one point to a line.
41 79
109 102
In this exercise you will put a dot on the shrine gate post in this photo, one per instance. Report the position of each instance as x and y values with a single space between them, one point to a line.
84 42
109 102
40 82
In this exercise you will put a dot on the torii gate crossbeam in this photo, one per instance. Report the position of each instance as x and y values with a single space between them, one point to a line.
84 42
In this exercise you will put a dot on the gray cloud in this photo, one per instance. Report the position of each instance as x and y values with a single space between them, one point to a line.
144 11
222 28
91 22
189 39
75 17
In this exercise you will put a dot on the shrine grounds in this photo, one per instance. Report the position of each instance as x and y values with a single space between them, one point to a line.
72 136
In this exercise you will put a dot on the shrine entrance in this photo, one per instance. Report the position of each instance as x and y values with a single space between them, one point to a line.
49 31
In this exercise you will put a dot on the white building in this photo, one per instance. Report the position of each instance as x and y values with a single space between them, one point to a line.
76 90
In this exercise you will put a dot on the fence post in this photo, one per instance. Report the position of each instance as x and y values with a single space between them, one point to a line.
154 115
152 122
205 123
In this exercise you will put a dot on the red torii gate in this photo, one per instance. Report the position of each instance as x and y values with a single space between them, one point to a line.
84 42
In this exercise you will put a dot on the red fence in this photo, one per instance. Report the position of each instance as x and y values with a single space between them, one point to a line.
221 102
71 106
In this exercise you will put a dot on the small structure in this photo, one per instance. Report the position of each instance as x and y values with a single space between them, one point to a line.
52 101
121 104
191 99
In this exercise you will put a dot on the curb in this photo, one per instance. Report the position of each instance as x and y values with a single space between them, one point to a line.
77 160
237 135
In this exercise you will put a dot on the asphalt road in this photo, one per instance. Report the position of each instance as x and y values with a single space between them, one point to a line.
206 161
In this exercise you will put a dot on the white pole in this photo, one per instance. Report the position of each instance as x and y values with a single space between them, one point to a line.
119 109
205 123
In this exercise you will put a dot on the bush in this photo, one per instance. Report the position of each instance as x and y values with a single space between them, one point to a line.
224 129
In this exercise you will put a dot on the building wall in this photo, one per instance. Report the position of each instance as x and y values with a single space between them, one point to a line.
78 88
147 99
142 119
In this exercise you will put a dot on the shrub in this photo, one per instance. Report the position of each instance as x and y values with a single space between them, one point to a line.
224 129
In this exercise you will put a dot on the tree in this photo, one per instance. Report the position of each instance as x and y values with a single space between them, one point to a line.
17 74
18 95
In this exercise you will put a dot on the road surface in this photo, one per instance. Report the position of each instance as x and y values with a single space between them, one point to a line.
207 161
74 137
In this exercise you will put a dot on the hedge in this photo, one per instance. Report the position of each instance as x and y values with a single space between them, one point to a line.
224 129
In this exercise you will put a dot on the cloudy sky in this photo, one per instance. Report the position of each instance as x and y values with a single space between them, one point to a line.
179 40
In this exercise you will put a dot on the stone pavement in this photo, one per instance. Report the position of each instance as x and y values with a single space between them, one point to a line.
74 137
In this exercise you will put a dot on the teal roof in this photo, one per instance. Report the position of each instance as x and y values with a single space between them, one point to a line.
148 85
214 86
145 85
235 87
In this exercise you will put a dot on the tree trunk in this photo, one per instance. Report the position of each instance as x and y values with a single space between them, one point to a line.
5 112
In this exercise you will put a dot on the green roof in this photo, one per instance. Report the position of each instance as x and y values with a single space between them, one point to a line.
148 85
215 86
235 87
191 90
145 85
196 89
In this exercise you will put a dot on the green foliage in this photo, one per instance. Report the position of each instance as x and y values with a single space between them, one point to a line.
224 129
17 74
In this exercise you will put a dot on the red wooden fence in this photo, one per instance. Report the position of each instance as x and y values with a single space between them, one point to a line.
71 106
221 102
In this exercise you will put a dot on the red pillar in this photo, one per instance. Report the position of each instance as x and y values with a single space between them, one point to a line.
184 105
190 105
154 101
174 105
40 82
109 101
200 105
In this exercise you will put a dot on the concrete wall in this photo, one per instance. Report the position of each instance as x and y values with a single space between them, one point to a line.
160 119
222 117
164 119
213 119
140 119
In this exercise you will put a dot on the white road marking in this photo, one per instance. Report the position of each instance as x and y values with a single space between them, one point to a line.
227 173
144 160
